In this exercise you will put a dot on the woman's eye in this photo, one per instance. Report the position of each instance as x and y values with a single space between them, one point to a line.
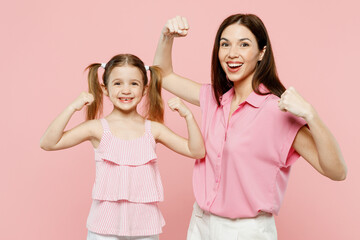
224 44
244 45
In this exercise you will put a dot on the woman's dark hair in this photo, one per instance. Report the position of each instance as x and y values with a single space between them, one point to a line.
265 71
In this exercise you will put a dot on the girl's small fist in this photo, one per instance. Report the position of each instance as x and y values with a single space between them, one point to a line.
175 104
83 99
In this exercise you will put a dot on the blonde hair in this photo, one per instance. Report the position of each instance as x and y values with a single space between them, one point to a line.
154 104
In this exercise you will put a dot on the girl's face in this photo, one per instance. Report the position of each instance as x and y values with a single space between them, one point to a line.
125 87
239 52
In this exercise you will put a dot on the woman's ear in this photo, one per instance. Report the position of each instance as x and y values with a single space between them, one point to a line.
262 53
104 90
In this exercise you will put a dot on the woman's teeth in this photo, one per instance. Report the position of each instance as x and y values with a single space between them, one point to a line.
235 65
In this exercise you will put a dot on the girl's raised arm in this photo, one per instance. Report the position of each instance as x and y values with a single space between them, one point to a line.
193 146
55 138
176 84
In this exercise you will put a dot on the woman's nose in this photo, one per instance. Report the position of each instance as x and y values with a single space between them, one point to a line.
233 52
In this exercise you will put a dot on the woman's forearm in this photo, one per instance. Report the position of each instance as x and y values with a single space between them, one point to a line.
329 153
163 54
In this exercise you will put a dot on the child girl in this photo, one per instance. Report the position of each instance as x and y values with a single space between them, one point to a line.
127 184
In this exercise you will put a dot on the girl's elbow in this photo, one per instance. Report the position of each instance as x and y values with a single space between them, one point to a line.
45 146
201 154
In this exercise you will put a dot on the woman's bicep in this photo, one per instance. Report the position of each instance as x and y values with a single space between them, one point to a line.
182 87
304 144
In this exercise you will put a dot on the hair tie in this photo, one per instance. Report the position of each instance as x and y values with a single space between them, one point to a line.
147 68
103 65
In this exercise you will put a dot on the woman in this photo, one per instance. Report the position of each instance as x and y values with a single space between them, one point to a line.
253 129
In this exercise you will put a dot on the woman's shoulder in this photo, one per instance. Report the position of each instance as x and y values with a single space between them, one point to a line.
271 102
272 111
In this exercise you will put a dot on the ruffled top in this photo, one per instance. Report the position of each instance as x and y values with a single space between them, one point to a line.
127 169
127 186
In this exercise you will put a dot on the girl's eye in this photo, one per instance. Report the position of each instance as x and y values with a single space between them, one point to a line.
117 83
135 84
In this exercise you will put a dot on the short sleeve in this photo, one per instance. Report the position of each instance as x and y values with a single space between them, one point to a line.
204 96
290 125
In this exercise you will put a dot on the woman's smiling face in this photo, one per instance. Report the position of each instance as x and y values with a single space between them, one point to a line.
239 52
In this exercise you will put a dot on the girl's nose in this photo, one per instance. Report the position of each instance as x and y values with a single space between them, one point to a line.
125 90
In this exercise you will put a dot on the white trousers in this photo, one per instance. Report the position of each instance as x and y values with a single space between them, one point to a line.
97 236
206 226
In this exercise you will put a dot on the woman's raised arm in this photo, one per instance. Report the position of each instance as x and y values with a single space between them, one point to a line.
172 82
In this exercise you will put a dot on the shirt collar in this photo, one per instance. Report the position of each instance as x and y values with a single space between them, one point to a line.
253 99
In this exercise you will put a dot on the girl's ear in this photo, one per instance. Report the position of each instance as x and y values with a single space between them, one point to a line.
145 90
104 90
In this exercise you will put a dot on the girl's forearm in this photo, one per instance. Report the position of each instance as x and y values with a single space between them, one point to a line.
195 141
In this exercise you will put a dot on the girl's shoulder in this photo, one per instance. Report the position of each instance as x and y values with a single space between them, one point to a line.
94 127
156 128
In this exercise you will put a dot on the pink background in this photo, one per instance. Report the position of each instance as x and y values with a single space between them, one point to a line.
45 45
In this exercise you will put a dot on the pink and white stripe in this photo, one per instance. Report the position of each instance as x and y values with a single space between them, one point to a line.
127 186
125 218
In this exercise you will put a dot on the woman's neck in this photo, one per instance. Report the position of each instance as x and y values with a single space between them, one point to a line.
242 90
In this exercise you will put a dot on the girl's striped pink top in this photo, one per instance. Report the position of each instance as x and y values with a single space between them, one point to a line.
127 186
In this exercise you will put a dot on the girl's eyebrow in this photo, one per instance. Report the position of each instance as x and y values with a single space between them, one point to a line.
119 79
116 79
240 40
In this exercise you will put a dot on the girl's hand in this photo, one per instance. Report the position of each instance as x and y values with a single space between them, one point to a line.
175 104
291 101
83 99
176 27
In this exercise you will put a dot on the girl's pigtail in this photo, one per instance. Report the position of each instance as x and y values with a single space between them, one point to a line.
95 109
154 100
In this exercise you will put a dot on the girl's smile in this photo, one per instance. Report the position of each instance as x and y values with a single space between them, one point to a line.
126 100
125 88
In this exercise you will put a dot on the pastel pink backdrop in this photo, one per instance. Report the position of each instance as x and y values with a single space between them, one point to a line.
45 45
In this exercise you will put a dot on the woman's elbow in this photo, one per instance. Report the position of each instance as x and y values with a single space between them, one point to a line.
340 175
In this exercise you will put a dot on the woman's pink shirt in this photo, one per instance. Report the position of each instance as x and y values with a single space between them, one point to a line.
248 157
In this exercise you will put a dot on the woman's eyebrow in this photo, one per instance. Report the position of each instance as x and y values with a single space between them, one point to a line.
240 40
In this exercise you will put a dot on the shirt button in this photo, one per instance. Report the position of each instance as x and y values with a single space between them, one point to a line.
217 180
